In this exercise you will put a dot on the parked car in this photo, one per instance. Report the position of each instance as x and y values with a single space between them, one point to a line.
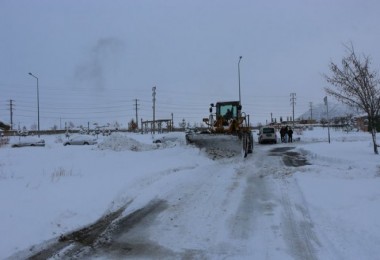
267 134
164 139
80 140
29 141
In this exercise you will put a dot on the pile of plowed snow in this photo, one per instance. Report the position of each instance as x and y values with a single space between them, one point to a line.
120 142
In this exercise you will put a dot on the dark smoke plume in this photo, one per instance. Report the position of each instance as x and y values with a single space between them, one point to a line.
103 59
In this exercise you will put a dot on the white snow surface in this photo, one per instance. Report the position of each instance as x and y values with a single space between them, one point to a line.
232 208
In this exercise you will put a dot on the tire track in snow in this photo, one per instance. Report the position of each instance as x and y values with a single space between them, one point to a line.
272 218
298 227
253 225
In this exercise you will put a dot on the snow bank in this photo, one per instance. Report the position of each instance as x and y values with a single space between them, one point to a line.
140 143
121 142
340 188
320 134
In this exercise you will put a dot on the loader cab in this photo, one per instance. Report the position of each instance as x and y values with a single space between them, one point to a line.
222 112
228 110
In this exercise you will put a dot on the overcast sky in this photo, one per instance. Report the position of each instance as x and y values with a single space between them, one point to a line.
94 58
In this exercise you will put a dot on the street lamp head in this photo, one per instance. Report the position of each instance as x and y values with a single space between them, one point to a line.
240 57
31 74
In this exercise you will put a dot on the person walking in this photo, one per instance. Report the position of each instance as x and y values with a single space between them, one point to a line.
290 134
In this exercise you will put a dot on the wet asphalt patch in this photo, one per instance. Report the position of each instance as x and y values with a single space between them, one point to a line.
77 240
108 235
289 157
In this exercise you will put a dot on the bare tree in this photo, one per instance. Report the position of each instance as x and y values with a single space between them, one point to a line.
356 85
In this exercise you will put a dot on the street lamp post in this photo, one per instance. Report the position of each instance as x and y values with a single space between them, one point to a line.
239 78
38 104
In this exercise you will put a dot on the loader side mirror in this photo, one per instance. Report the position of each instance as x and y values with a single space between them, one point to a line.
211 106
239 107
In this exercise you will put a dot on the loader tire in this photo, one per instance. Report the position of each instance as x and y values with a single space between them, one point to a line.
245 148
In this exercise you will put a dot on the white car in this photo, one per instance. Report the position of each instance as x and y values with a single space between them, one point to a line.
80 140
267 134
29 141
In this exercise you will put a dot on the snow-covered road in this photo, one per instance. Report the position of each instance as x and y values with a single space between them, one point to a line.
250 209
230 208
131 199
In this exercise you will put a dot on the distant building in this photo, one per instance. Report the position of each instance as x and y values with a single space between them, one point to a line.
307 121
362 123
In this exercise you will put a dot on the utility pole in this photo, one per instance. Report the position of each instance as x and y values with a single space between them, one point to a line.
172 124
154 109
11 110
136 108
293 102
311 111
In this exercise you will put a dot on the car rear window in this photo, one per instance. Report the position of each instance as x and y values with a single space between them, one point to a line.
268 130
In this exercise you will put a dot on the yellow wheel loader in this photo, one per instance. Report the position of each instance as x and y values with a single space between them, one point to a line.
228 130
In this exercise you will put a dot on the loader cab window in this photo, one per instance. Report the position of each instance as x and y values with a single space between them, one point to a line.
228 111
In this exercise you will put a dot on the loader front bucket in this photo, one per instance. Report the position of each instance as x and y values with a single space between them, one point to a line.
218 145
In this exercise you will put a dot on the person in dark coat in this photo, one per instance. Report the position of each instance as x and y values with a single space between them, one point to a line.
286 137
290 135
282 134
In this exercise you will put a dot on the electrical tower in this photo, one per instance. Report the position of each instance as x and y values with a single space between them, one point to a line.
293 102
136 108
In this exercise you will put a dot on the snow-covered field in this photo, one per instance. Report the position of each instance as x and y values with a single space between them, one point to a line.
228 208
